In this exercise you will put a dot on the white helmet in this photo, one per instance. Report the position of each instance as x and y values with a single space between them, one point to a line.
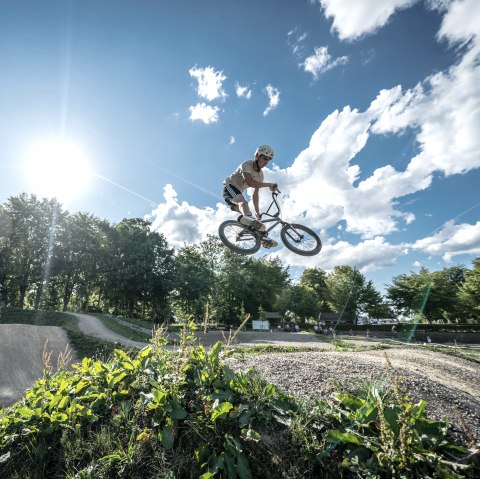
265 150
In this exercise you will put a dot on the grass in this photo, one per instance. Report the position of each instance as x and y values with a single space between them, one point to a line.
123 330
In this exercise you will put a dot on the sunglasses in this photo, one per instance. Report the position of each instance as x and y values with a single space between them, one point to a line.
266 158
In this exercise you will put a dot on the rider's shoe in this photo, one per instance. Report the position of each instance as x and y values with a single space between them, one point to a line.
251 221
269 242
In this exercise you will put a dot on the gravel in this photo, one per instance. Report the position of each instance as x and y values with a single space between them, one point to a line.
450 385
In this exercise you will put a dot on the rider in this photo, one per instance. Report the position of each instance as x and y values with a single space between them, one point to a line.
249 174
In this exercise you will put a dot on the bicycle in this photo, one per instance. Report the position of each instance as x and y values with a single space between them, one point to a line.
247 239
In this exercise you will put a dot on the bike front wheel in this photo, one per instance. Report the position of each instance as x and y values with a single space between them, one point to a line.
300 240
238 237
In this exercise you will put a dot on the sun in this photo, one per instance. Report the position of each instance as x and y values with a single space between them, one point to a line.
57 168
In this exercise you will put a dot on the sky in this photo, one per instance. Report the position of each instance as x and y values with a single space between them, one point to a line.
140 108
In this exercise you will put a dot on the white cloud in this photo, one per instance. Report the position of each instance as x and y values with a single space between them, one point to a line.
354 18
203 112
452 240
460 23
322 183
243 91
183 223
296 41
321 61
209 83
231 140
273 98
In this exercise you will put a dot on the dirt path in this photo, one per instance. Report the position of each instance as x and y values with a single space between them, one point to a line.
450 385
92 326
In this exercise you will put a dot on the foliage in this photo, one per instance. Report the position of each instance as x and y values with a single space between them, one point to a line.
300 302
433 295
186 414
469 292
50 259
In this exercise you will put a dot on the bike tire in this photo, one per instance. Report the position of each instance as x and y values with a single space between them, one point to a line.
301 240
239 238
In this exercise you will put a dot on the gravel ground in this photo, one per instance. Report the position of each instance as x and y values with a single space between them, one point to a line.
450 385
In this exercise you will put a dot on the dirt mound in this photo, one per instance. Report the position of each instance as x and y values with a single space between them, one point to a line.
21 350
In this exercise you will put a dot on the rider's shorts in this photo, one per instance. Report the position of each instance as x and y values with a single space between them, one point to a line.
229 191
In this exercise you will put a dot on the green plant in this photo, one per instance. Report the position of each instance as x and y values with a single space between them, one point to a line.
184 413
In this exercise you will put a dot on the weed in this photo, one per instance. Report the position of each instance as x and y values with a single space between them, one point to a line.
185 414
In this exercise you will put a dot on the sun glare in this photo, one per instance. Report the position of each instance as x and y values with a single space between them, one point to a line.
57 168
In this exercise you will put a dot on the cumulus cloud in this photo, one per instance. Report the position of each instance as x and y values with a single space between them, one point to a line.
203 112
243 91
182 223
452 240
323 181
273 95
354 18
321 61
210 83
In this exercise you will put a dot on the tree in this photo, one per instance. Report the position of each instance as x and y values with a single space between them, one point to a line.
30 244
433 295
316 280
250 282
469 291
194 280
373 304
345 286
142 268
299 300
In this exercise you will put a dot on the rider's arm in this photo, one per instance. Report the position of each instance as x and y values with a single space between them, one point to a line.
254 183
255 197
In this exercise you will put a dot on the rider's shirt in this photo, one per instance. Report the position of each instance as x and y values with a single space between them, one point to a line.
237 178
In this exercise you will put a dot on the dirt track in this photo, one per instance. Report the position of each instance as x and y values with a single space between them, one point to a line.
449 384
21 352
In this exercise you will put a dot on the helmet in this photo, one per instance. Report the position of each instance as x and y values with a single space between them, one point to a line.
265 150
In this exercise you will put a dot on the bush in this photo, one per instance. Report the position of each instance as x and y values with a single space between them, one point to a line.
186 414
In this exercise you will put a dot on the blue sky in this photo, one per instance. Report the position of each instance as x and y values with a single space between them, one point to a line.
373 109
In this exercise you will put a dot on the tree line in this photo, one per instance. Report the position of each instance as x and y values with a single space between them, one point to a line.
51 259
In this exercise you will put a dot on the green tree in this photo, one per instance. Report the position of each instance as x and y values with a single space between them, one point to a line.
469 291
250 282
372 302
28 249
300 301
432 295
142 269
193 282
316 280
345 286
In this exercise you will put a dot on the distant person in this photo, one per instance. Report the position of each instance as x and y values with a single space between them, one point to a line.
429 340
394 332
249 175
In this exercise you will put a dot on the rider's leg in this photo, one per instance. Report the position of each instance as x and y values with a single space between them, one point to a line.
244 209
242 205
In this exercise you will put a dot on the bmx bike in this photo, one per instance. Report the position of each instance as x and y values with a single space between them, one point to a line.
247 239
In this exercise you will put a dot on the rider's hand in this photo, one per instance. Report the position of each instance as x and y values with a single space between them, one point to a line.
273 186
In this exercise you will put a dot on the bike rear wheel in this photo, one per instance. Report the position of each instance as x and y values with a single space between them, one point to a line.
300 239
238 237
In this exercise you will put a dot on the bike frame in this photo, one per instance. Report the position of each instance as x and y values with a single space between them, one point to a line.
272 218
